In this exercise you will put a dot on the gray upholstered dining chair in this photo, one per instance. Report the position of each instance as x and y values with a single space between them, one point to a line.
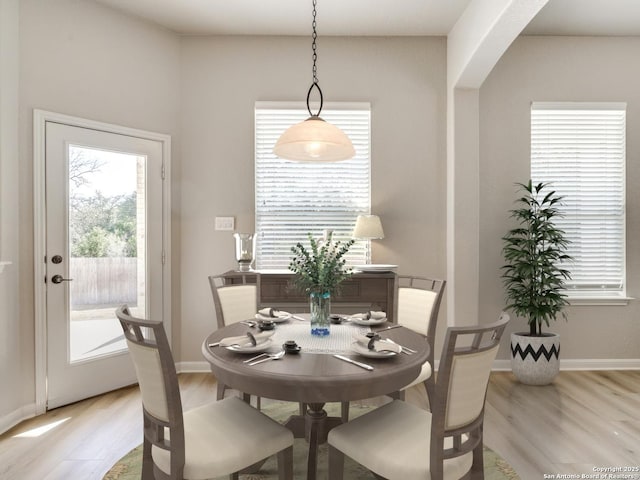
399 441
419 301
234 302
214 440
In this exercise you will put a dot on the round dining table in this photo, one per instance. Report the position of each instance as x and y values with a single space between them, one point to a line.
316 378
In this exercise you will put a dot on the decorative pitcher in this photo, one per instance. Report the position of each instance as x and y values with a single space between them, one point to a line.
245 250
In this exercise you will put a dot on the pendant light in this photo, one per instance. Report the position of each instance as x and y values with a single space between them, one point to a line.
314 140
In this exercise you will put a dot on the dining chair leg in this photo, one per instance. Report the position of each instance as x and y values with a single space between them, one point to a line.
220 392
430 386
336 463
147 461
285 464
398 395
477 467
344 406
302 408
246 397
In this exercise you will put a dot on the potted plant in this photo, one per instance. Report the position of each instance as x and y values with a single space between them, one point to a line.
535 253
319 271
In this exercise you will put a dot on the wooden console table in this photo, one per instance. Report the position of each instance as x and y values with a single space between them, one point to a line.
360 293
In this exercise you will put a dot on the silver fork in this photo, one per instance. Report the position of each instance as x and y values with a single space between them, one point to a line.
270 356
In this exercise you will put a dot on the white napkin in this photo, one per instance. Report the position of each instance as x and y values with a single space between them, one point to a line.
273 313
378 345
370 315
245 341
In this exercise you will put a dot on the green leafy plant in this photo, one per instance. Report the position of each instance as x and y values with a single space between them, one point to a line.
322 267
535 253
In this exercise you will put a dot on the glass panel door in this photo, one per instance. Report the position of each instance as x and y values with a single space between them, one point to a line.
107 212
104 248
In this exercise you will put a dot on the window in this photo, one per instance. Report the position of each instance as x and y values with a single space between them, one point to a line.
295 198
580 150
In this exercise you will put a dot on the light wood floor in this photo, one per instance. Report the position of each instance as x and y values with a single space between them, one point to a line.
583 420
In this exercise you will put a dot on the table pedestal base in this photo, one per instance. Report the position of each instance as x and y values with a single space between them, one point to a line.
314 426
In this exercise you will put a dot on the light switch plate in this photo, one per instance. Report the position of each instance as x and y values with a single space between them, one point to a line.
225 223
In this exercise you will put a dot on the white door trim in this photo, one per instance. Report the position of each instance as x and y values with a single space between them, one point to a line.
40 117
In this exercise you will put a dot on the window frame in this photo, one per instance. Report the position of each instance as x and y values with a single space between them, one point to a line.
586 296
263 152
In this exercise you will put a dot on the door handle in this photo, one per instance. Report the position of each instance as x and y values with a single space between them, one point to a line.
59 279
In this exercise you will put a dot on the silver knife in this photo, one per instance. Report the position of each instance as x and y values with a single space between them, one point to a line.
360 364
389 328
262 360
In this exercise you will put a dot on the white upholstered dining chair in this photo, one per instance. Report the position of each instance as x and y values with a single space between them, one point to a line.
234 302
419 301
418 304
399 441
214 440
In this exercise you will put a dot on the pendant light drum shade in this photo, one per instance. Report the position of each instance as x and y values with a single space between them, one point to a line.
314 140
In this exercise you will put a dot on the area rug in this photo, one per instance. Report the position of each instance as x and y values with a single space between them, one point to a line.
129 467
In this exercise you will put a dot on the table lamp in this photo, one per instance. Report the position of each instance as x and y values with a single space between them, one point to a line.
368 227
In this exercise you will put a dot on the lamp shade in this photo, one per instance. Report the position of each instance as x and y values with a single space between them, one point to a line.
368 227
314 140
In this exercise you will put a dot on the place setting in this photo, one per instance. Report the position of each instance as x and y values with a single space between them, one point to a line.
290 347
272 314
372 345
367 318
247 343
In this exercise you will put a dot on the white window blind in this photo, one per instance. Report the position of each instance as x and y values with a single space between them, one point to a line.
297 198
580 150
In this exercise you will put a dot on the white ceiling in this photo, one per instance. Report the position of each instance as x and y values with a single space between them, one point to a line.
370 17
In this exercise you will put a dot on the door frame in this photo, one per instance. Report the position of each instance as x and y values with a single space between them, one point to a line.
40 118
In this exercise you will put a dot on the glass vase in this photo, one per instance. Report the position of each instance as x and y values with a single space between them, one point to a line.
320 306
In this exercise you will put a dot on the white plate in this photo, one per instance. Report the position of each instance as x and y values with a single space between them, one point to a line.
364 321
261 347
376 268
281 319
365 352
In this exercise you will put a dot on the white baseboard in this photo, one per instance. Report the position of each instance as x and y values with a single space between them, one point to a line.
12 419
583 364
193 367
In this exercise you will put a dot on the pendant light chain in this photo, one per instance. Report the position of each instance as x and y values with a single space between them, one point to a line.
314 83
314 36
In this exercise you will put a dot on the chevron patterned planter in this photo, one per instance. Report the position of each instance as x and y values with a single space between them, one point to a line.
535 360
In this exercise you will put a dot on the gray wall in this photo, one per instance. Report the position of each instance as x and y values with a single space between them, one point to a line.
12 338
82 59
222 78
558 69
85 60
